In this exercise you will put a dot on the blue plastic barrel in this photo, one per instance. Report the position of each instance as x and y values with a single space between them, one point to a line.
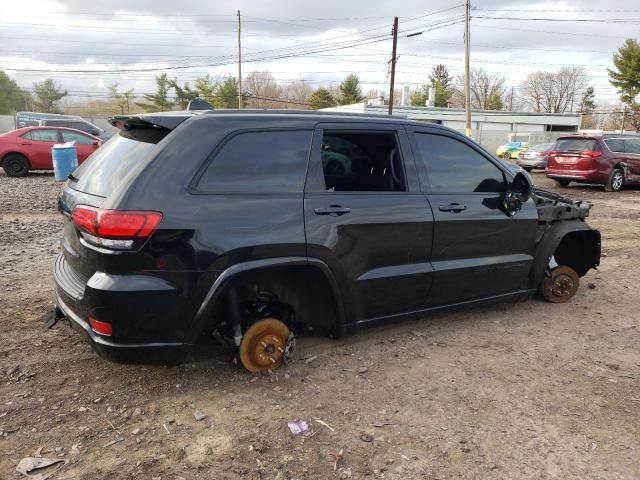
65 161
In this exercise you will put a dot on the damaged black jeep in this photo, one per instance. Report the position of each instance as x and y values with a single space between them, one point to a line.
249 225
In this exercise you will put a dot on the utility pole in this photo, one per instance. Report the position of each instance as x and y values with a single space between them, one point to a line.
467 86
511 100
624 116
393 63
239 65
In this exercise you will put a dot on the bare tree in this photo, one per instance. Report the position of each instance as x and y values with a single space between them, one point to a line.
263 91
554 92
298 93
487 90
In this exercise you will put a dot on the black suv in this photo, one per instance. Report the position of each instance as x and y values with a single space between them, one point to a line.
249 224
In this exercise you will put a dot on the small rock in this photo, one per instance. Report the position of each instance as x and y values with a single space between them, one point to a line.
198 415
97 400
136 431
591 286
137 412
82 409
362 370
365 437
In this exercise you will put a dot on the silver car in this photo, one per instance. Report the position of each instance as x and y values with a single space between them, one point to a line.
534 157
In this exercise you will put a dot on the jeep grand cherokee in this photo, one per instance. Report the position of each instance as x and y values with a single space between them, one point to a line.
250 224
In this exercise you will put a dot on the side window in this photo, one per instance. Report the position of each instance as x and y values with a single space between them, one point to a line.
259 162
76 137
44 135
632 146
450 166
362 162
26 136
615 144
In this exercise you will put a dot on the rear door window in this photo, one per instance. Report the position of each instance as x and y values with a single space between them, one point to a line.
615 144
45 135
632 146
258 162
576 145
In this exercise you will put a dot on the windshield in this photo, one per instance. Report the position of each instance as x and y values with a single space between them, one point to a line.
108 166
575 145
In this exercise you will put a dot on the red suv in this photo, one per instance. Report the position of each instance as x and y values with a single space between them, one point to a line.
30 148
609 160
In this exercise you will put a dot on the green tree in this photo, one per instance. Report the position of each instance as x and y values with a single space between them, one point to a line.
494 101
626 78
443 83
206 87
226 94
586 108
350 91
160 100
47 95
12 97
322 98
419 96
184 94
121 100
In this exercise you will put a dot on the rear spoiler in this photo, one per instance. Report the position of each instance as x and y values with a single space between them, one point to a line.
164 120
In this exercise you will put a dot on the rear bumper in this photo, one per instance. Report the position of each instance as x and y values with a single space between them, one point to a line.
152 353
144 312
531 163
576 175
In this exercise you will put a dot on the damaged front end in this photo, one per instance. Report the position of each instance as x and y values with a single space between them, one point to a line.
565 244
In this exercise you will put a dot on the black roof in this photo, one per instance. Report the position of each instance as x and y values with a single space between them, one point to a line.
171 120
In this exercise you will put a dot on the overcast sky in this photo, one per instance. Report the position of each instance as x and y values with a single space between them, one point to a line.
125 41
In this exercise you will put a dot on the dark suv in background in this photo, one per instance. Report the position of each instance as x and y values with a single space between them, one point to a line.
609 160
249 224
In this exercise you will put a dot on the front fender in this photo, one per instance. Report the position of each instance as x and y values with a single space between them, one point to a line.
573 243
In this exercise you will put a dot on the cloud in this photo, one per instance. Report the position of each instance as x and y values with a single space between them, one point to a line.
118 41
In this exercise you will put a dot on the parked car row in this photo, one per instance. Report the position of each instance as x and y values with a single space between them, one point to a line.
29 148
36 119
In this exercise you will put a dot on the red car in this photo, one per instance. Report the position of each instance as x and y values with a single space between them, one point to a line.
30 148
609 160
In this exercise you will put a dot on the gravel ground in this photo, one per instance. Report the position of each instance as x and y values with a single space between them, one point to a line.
528 391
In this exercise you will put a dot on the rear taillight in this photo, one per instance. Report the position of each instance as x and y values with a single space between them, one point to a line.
116 229
590 154
551 154
103 328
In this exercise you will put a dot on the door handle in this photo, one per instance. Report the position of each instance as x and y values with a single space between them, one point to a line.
335 210
452 207
25 143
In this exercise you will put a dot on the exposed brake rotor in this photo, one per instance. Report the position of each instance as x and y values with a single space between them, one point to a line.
561 286
265 345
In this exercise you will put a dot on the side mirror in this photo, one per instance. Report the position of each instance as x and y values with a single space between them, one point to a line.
96 143
518 193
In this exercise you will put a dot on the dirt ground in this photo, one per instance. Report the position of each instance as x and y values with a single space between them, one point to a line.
527 391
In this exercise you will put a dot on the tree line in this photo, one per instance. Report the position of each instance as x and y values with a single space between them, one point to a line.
564 90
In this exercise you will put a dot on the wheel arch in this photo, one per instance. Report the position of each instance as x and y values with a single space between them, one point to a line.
287 272
572 243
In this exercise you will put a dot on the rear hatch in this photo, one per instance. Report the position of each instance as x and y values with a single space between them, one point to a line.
573 153
116 163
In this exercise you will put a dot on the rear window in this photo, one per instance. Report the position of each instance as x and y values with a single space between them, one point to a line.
109 164
576 145
541 148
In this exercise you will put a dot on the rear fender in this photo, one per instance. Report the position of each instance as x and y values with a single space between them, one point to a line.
218 289
572 243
